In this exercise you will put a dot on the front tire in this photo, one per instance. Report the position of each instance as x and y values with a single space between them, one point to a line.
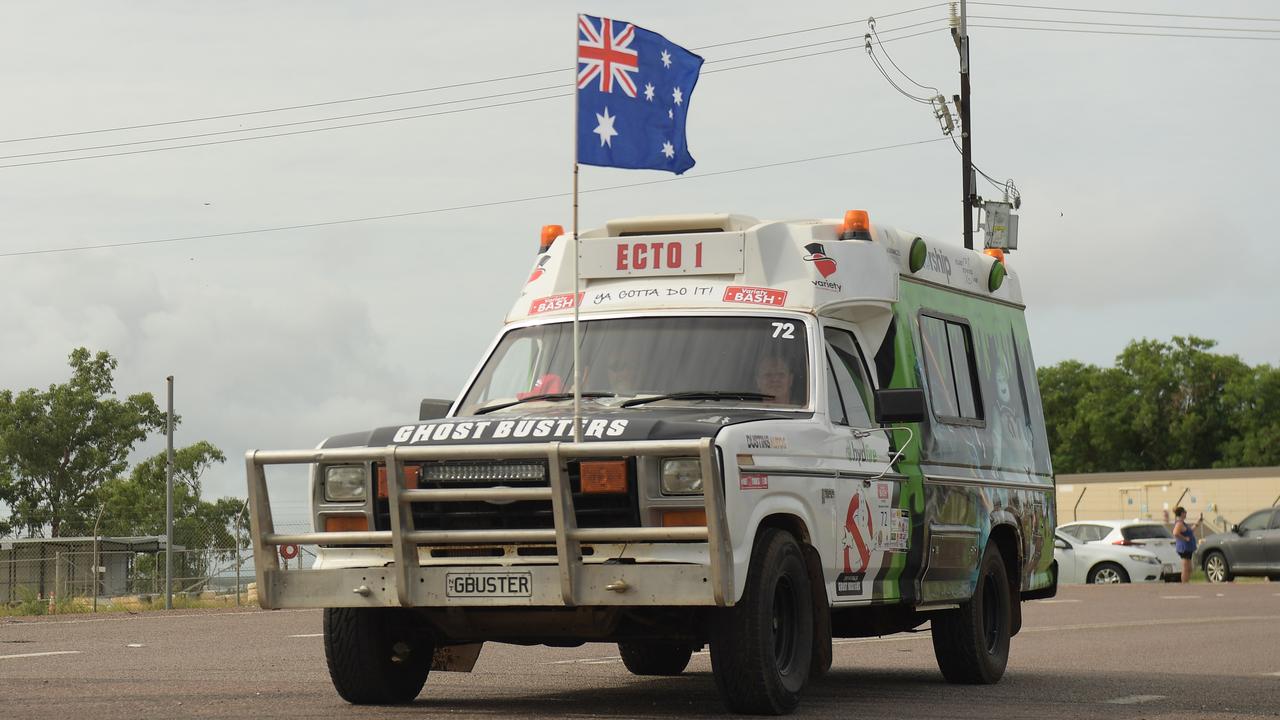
1216 568
971 643
762 648
1107 573
655 658
376 656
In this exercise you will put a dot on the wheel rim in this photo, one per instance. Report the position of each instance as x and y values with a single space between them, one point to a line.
1106 576
991 615
784 623
1215 568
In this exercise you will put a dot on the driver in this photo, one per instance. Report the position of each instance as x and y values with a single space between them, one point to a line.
774 377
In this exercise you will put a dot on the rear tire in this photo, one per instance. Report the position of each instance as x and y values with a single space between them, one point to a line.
971 643
1107 573
1216 568
655 658
762 648
376 656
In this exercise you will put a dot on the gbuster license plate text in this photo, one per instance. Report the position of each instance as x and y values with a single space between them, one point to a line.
519 584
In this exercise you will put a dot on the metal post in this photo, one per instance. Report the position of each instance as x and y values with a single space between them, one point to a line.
168 503
239 560
577 371
966 132
57 579
1075 514
96 558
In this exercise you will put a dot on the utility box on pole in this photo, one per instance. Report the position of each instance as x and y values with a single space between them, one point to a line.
1001 225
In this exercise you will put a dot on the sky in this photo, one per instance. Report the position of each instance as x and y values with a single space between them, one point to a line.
1146 167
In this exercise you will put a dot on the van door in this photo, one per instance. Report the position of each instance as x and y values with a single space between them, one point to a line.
867 527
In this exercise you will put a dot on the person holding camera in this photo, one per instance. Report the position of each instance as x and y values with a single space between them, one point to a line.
1184 537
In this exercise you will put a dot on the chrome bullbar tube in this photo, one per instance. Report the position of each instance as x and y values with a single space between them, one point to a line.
579 584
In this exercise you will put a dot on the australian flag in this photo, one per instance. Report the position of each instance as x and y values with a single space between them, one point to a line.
633 97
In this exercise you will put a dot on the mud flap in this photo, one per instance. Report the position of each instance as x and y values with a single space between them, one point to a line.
456 658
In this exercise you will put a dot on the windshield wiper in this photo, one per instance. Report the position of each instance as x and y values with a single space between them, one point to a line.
701 395
544 396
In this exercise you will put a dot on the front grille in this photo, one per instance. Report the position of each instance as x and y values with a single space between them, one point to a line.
591 510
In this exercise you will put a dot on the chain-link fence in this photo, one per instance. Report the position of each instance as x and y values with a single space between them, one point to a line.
212 566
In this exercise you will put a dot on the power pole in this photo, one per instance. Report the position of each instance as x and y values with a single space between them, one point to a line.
961 37
168 504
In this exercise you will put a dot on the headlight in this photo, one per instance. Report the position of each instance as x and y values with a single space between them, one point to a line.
682 476
1146 559
344 483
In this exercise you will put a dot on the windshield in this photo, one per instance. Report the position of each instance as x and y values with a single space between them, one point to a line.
758 362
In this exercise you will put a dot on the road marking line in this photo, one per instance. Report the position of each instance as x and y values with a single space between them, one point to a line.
1135 699
587 661
1148 623
1274 674
1050 602
156 615
309 635
40 654
1179 597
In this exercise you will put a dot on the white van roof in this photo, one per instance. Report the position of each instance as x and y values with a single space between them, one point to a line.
736 262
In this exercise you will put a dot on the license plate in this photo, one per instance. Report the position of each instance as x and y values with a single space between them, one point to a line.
481 585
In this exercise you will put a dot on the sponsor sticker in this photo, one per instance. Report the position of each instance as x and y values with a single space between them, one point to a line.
849 583
766 442
552 303
755 295
518 584
753 482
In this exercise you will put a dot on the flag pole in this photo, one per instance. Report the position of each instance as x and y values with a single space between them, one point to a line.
577 372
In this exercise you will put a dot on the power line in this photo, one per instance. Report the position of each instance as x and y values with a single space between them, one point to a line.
449 86
1116 32
471 206
296 123
396 119
871 24
1126 12
1128 25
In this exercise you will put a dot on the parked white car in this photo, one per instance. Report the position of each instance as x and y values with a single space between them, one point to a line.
1095 562
1143 534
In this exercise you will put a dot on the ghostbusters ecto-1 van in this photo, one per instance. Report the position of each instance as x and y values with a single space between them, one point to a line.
790 431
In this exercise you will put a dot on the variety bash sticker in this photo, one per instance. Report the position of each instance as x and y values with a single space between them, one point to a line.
755 295
552 303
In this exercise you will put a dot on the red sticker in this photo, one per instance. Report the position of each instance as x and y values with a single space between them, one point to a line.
552 303
753 482
755 295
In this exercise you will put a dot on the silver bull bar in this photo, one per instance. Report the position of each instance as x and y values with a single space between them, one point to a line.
576 580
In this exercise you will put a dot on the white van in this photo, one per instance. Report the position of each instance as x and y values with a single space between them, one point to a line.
791 431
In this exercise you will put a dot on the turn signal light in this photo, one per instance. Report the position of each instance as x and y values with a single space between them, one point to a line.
410 479
603 476
549 235
857 226
684 518
346 523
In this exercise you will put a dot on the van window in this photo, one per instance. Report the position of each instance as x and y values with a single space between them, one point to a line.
855 409
949 365
835 407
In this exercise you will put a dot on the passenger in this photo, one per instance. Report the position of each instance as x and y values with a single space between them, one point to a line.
774 378
1185 539
624 377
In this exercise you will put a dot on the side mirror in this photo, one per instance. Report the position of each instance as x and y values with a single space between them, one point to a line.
900 405
433 409
1061 544
1236 529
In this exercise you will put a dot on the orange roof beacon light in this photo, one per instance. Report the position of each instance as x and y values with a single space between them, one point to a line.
996 253
549 235
857 226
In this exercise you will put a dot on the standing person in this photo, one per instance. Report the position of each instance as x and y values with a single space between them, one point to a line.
1185 539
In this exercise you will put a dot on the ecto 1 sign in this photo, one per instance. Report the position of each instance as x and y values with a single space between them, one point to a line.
695 254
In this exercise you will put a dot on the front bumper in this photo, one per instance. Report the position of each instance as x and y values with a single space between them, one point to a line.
563 580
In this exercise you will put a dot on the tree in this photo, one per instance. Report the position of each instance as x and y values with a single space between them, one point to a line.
59 446
135 505
1164 406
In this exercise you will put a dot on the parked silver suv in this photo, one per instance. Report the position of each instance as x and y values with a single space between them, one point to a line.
1250 548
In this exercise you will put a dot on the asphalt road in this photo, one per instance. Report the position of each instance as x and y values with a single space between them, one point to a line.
1185 651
